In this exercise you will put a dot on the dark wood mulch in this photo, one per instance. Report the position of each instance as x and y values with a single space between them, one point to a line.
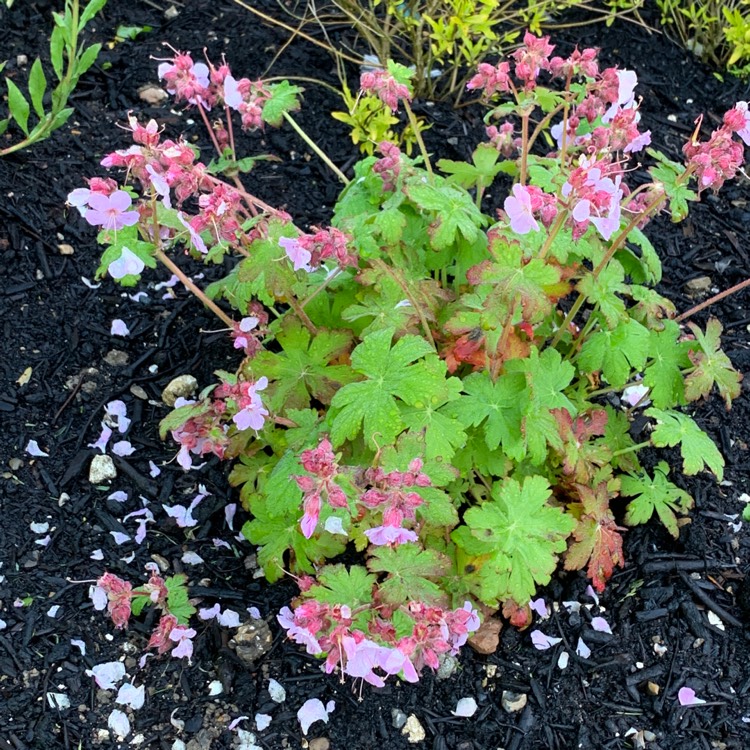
52 323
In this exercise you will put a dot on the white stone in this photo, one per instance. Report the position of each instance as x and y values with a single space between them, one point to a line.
182 386
102 469
413 730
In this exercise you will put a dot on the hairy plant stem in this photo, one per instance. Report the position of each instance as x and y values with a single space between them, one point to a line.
553 232
632 448
210 130
161 256
320 288
712 300
524 146
314 146
383 266
418 135
613 248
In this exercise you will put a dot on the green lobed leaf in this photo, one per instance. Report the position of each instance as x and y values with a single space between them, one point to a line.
603 290
370 405
697 448
667 356
520 534
302 370
655 495
338 584
177 598
712 366
618 353
283 100
498 406
410 570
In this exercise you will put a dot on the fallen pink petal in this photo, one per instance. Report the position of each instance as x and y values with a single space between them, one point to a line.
542 641
601 625
119 328
313 710
686 696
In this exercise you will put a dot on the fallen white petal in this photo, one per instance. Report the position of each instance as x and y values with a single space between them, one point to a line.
120 496
311 711
235 722
123 448
80 645
97 554
215 687
39 528
154 470
715 620
262 721
192 558
542 641
229 619
60 701
119 537
53 610
119 723
130 695
563 659
465 707
686 696
582 649
276 691
107 675
33 449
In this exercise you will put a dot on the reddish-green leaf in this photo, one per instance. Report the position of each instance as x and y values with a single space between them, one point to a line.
598 543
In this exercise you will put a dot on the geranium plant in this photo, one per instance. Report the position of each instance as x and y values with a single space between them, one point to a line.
445 389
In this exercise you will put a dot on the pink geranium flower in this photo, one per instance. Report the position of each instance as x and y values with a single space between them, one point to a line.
299 256
518 208
111 211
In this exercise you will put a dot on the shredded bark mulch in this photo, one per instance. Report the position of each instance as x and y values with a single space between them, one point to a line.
59 366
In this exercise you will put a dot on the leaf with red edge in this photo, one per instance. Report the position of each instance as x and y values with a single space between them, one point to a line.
581 456
598 542
712 367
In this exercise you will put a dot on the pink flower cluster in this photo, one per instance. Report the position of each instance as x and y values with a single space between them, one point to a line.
720 157
385 87
250 412
308 251
525 201
321 464
186 80
247 332
389 167
374 656
202 433
593 197
502 138
390 496
116 595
